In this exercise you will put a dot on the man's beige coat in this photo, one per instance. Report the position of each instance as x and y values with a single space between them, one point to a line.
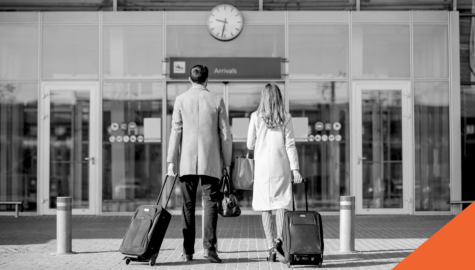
200 137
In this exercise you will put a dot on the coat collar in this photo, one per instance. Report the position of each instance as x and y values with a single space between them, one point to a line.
199 87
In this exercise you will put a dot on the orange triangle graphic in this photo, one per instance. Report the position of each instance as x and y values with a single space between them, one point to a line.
452 247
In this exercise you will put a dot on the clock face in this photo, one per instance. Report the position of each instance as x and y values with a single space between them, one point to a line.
225 22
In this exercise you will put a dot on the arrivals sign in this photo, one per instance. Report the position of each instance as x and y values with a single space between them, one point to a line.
228 68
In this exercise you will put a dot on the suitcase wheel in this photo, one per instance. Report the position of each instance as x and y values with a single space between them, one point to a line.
320 265
127 261
289 265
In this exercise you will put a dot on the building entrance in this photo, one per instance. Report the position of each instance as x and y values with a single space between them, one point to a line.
69 146
383 147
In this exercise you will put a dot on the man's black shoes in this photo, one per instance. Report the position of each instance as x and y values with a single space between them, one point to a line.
187 258
212 256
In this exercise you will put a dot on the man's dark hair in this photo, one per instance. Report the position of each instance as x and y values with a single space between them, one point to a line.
199 74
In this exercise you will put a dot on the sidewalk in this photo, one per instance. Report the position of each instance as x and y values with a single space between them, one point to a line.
381 242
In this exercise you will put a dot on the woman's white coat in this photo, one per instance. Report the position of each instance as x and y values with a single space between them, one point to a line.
275 157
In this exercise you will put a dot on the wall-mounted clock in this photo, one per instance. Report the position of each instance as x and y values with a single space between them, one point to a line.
225 22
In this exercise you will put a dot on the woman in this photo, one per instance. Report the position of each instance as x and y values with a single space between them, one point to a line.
271 135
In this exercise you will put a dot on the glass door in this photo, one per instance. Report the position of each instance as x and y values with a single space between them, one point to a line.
383 147
69 146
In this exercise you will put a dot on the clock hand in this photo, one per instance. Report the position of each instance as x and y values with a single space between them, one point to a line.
222 20
224 26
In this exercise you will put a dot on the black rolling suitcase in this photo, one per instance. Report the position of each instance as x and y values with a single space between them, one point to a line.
146 231
303 236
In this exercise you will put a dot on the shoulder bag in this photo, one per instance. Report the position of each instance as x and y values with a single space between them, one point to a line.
229 206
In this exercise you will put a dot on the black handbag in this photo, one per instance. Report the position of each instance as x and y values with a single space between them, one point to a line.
229 205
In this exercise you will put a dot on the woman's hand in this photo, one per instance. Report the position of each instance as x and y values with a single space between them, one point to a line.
297 177
171 169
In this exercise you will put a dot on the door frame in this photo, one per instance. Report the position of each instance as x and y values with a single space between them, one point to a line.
94 145
408 149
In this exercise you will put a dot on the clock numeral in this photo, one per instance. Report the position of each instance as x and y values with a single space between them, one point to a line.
212 29
217 9
232 34
238 21
237 29
224 7
237 14
224 36
212 15
217 34
232 9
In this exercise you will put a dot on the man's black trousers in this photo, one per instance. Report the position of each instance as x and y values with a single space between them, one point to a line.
211 198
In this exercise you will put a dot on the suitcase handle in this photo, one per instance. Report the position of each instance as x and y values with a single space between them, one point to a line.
163 187
293 198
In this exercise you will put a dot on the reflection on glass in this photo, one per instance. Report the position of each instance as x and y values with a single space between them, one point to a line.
325 164
381 51
132 167
431 51
19 51
132 51
318 51
432 143
69 147
18 144
174 90
183 39
382 148
70 52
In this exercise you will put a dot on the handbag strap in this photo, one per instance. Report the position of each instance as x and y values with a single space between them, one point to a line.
225 185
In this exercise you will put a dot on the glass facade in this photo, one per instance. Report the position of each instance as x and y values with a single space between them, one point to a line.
131 168
431 53
255 41
19 52
125 53
318 51
18 144
132 51
432 143
467 105
70 52
324 163
381 51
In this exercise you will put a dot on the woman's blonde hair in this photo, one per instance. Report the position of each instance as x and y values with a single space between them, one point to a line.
271 108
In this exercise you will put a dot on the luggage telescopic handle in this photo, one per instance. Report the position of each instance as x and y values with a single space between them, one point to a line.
293 199
163 187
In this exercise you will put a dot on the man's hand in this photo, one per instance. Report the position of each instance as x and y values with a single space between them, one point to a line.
171 167
227 169
297 177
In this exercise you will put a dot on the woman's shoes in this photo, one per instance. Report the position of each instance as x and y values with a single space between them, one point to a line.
279 252
272 256
278 246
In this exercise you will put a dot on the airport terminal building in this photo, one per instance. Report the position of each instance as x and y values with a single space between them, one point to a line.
380 93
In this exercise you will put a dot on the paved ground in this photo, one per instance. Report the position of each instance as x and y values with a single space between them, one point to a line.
382 242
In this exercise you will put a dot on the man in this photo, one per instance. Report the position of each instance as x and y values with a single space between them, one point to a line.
201 131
